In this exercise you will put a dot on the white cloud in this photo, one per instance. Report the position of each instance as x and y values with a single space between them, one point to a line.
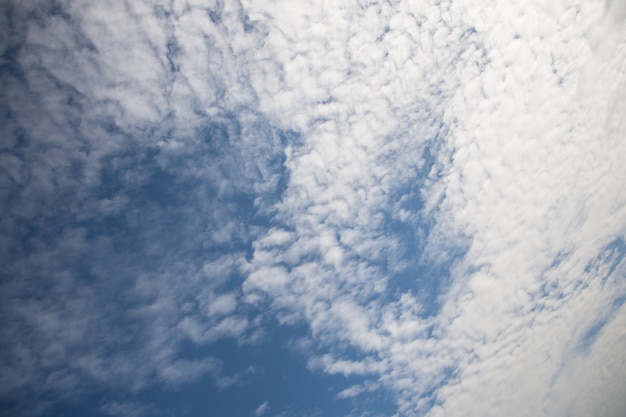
122 168
526 178
601 367
520 106
262 409
356 390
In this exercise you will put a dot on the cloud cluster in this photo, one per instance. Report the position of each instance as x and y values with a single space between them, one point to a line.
435 190
132 163
520 107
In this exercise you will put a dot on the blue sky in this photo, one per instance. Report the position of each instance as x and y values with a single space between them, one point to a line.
252 208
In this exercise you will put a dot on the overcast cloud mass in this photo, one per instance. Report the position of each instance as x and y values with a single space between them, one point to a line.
313 208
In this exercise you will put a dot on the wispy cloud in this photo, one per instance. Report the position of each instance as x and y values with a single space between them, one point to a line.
262 409
127 409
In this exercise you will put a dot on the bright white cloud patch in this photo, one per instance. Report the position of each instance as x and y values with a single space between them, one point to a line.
523 105
434 190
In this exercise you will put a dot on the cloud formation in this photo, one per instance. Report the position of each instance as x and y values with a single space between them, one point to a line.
262 409
434 190
525 183
128 184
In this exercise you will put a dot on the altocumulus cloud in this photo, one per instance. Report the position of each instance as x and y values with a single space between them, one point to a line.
435 191
128 186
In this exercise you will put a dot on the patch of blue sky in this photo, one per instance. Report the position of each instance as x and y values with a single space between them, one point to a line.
612 255
272 371
591 335
610 261
420 274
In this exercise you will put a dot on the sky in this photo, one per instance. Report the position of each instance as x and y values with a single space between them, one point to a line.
325 208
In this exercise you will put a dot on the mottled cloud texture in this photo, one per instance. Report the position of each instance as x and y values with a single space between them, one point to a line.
435 191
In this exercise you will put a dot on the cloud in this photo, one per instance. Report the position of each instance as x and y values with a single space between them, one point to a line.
356 390
435 190
523 189
601 368
262 409
126 409
127 183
